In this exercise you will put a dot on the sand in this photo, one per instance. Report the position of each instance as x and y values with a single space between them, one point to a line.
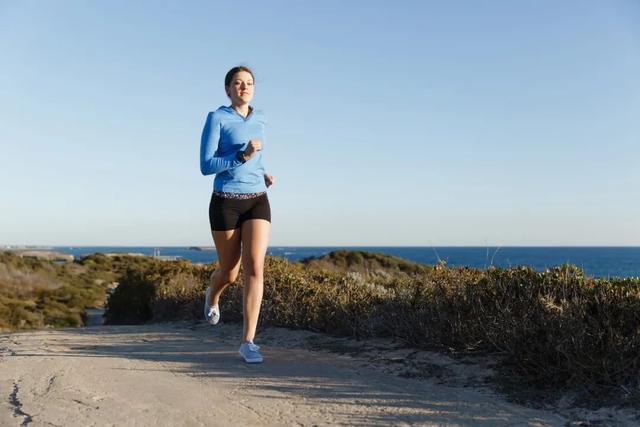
190 374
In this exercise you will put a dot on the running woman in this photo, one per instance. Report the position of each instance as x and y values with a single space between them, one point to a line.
239 212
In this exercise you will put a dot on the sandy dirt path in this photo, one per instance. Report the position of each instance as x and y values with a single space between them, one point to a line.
190 374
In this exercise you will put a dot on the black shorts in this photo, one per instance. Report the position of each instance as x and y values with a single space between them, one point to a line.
227 214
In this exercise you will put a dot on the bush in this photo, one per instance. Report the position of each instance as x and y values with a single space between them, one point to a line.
132 301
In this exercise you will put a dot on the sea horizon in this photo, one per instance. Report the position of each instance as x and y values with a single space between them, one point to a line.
323 246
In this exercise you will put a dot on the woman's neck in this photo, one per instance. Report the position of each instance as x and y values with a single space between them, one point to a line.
243 109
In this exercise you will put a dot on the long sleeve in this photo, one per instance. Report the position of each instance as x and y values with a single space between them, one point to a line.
210 163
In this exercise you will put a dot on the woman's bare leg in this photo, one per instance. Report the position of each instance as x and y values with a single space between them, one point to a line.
255 239
228 250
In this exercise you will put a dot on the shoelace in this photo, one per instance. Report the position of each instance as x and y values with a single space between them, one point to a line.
253 347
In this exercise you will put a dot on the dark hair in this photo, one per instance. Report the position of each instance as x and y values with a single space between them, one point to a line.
232 72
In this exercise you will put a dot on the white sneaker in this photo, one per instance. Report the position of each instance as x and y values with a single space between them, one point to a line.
249 351
211 312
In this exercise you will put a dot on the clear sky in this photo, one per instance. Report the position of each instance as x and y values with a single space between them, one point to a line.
390 122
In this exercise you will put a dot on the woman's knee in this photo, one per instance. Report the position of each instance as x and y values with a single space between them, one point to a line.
254 268
227 276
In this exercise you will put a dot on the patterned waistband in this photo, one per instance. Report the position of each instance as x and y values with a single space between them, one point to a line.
238 195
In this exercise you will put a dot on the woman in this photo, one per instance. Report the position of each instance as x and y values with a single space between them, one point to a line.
239 211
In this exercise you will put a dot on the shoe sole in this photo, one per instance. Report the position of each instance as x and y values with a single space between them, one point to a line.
251 360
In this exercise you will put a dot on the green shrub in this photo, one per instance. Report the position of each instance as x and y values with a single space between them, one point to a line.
132 301
36 293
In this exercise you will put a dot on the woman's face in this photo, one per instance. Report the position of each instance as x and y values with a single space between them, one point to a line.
240 90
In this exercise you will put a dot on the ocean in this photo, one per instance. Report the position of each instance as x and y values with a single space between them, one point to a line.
602 262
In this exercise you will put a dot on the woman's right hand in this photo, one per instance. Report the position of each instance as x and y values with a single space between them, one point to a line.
254 146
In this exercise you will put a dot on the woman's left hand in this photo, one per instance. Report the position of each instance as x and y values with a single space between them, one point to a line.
269 179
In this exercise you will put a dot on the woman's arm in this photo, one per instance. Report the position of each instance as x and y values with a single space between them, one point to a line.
209 162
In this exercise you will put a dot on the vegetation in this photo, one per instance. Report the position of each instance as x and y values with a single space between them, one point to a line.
36 293
369 263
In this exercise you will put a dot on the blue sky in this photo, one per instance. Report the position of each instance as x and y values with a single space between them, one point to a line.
390 123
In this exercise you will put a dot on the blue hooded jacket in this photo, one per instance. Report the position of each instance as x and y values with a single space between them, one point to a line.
225 133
